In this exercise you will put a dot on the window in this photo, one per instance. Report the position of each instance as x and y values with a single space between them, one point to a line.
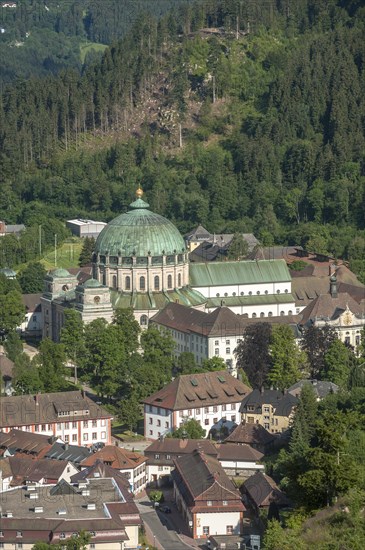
267 426
166 424
94 423
103 435
215 420
62 535
205 530
156 283
206 422
43 427
157 456
266 409
127 283
233 406
179 279
216 351
233 418
209 503
19 533
181 413
262 314
228 342
94 436
258 292
142 283
224 407
74 425
158 422
197 411
86 424
229 529
254 315
169 281
206 409
151 432
225 503
36 428
216 343
270 313
85 437
74 437
278 292
150 421
282 313
215 408
1 533
143 320
228 351
114 283
189 412
67 438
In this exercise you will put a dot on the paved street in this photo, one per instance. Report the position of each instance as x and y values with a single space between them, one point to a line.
161 527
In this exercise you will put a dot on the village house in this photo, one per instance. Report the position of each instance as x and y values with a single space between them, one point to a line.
206 498
254 435
260 491
273 409
132 465
69 416
207 397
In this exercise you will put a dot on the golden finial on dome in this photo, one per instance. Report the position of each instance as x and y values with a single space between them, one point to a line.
139 192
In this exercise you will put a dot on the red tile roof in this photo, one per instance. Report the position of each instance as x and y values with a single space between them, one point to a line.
199 390
116 457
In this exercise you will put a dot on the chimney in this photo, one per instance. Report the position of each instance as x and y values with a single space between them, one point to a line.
82 393
66 445
333 285
36 399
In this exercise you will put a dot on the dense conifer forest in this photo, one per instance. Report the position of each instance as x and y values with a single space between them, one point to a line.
242 116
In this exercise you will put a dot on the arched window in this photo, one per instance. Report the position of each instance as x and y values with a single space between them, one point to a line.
156 284
127 283
262 314
143 321
282 313
179 279
290 312
142 283
278 291
114 281
104 278
169 281
254 316
270 313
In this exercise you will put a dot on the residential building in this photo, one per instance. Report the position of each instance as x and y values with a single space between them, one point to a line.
33 322
27 443
161 454
272 409
70 416
85 228
132 465
55 513
260 491
254 435
321 388
206 498
207 397
216 246
239 460
26 471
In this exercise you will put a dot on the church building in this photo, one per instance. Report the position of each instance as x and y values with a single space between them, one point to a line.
142 261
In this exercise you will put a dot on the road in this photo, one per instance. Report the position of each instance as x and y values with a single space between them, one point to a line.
161 528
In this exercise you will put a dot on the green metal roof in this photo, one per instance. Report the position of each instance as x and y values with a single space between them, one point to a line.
234 273
230 301
60 272
93 283
156 300
140 232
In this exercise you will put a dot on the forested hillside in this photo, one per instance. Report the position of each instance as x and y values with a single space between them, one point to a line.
269 98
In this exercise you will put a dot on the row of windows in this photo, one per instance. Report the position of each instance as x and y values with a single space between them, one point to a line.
250 293
158 422
85 437
229 530
142 282
214 408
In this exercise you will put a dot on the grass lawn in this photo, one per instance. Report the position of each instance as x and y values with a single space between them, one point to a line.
67 255
86 47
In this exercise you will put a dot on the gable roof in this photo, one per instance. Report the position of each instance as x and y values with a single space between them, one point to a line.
252 434
321 388
242 272
232 451
222 321
24 442
199 390
45 407
327 307
203 478
101 470
64 451
262 489
119 458
170 445
32 302
27 469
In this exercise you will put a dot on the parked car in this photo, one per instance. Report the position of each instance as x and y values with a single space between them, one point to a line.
165 509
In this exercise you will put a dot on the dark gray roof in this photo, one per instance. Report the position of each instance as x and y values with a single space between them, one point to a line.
283 403
262 490
321 387
252 434
72 453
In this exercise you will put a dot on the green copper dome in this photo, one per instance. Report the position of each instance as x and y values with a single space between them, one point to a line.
139 232
60 272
